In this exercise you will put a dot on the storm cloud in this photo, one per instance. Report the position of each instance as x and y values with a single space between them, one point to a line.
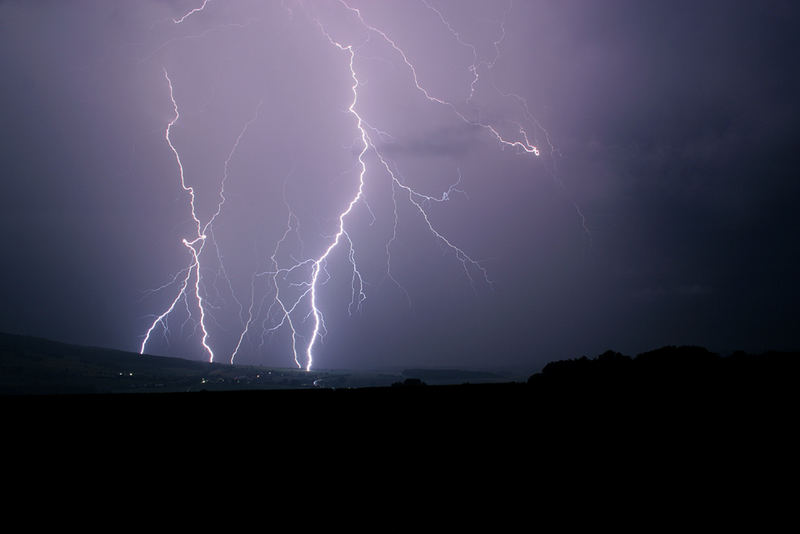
664 213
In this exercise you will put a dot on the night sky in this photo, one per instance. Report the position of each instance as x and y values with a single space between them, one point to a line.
661 209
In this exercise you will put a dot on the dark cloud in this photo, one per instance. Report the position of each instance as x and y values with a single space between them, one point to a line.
451 141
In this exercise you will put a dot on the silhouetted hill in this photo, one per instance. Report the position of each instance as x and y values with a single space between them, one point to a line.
40 366
30 365
670 371
662 399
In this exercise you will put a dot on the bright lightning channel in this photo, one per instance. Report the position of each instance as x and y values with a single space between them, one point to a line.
192 12
414 197
198 242
523 143
309 289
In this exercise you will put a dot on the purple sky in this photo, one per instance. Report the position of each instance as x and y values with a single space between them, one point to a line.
672 127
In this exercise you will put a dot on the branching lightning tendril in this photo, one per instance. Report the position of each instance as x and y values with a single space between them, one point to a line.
293 290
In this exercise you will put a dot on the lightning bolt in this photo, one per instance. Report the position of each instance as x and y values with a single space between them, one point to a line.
194 267
292 291
474 68
317 265
192 12
198 242
523 143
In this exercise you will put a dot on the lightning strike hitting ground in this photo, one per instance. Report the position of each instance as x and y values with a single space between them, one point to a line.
197 244
293 290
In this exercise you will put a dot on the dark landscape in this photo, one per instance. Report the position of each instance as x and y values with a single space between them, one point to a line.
35 366
672 414
42 374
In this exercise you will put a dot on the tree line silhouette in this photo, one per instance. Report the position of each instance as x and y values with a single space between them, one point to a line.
674 370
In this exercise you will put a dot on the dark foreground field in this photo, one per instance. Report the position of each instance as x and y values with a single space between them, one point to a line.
716 428
672 432
711 425
46 383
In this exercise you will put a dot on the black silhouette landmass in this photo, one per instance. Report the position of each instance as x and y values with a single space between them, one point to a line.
36 366
687 369
673 405
690 383
30 365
